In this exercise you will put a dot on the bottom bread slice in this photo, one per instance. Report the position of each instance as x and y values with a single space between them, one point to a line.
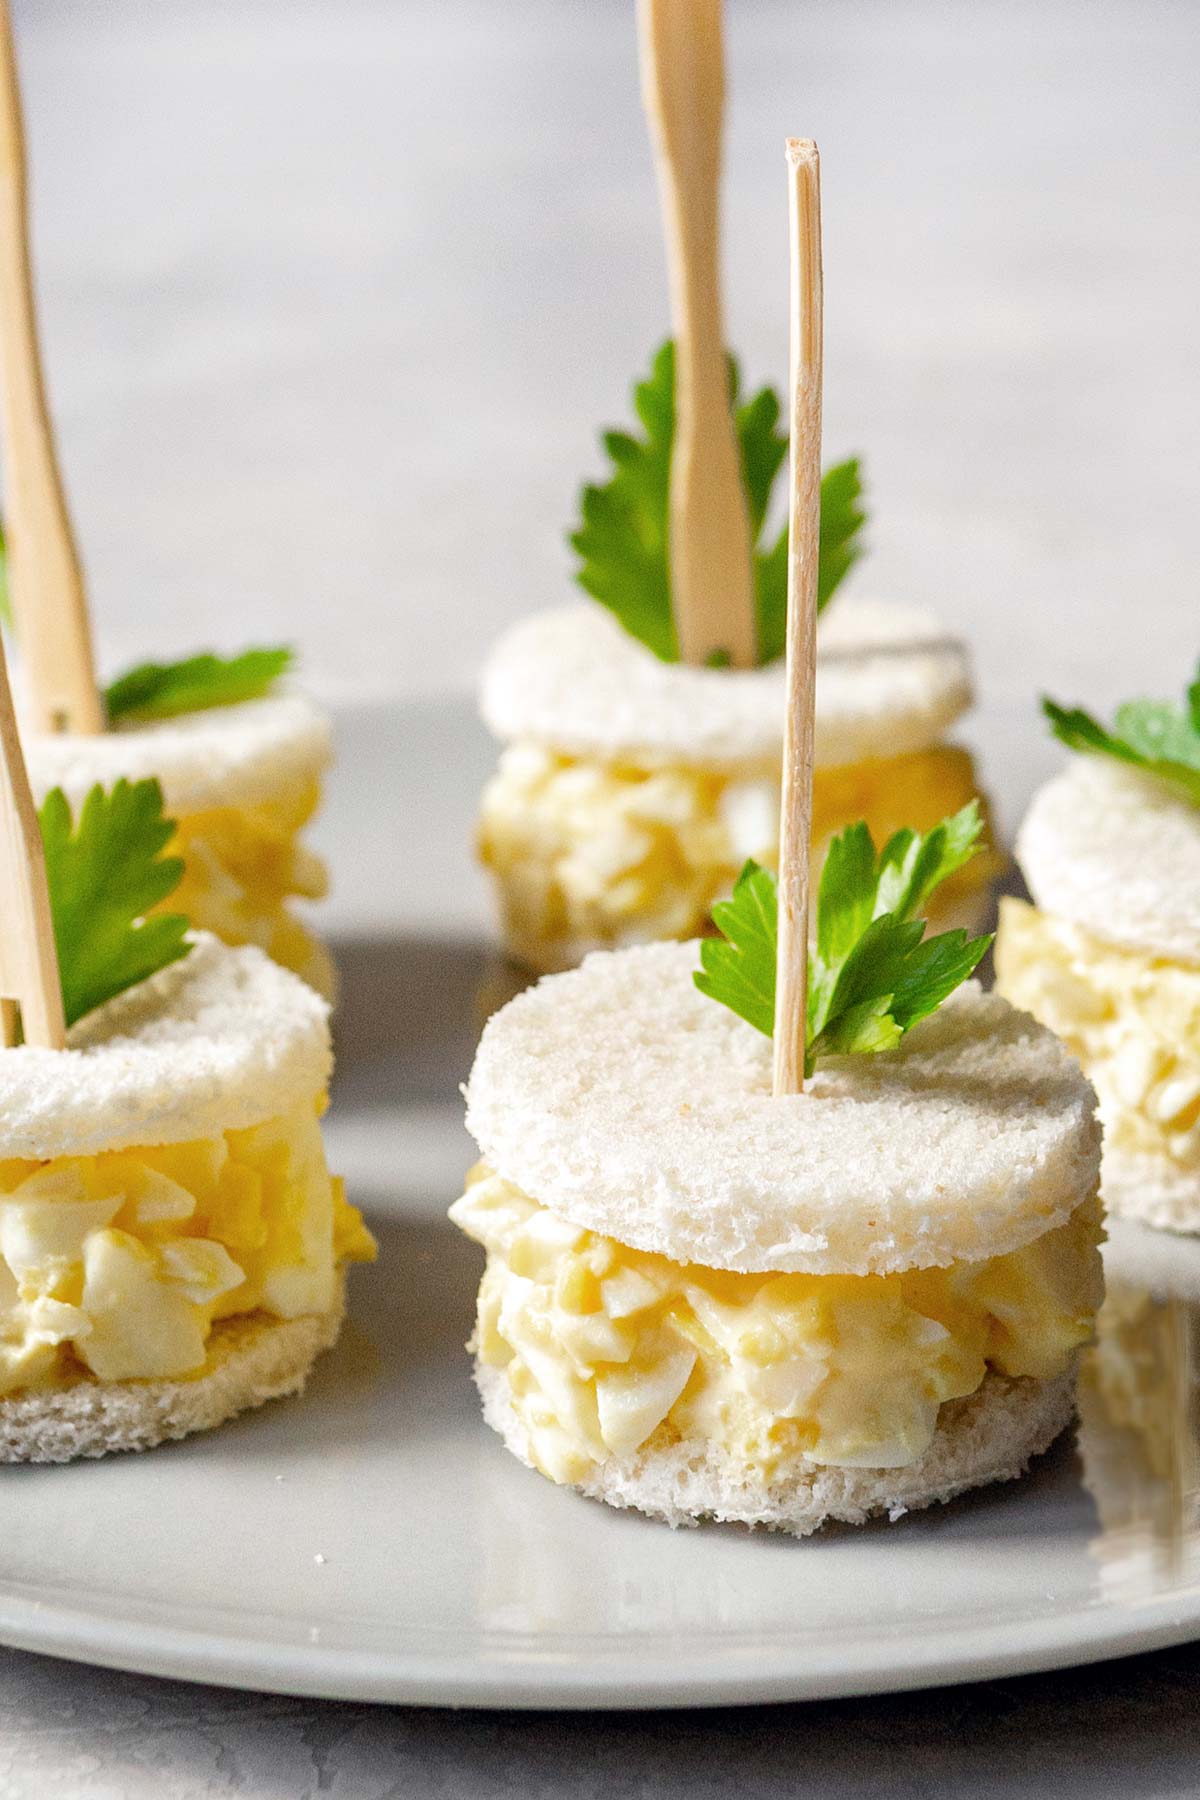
1150 1189
251 1359
991 1435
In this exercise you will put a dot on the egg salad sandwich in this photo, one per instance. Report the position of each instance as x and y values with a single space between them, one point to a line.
642 729
1108 954
632 786
172 1244
703 1300
239 762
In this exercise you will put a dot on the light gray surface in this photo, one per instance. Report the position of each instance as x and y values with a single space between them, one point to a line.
329 336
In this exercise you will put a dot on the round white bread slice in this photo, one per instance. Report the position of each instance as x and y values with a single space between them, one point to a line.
1151 1189
1113 850
622 1099
251 1360
889 680
229 756
989 1436
220 1041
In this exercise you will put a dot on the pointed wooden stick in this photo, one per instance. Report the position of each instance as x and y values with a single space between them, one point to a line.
28 961
712 574
795 823
49 604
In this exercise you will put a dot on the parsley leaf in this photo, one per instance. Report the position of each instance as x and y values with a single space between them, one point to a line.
164 690
1154 735
738 968
873 973
105 873
621 539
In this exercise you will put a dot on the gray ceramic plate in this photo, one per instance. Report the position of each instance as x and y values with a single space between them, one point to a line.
373 1541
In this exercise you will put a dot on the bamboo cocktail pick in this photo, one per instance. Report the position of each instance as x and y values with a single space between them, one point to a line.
804 537
49 603
712 573
28 962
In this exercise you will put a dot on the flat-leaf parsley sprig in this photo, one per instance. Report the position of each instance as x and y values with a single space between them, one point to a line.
621 539
165 690
106 873
873 973
1156 736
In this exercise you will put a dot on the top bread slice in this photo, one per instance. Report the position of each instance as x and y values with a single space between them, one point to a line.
622 1099
228 756
223 1040
571 679
1114 851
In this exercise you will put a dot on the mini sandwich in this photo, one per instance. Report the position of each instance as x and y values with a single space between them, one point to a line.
1108 956
642 734
172 1244
240 766
702 1300
632 786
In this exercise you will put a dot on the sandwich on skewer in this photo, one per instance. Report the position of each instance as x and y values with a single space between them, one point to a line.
825 1249
172 1244
240 761
1108 955
642 731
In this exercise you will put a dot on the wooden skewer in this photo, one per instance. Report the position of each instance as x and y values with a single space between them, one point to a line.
795 824
48 598
28 961
711 555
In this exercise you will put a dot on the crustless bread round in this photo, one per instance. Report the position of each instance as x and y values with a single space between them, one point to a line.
889 680
625 1101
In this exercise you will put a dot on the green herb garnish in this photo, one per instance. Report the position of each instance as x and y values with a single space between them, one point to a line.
873 973
105 873
1155 736
164 690
622 537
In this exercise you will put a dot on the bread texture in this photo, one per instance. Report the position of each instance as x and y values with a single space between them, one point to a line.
622 1099
989 1436
252 1358
1151 1189
222 1040
1113 850
228 756
889 679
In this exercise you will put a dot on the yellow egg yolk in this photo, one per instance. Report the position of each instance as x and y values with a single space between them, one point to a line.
1131 1019
602 1346
241 868
120 1263
588 854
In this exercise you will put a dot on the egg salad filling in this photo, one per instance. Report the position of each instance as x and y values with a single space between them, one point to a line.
603 1347
120 1263
597 855
242 867
1131 1019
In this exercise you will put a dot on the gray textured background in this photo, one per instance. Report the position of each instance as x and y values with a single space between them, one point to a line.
336 293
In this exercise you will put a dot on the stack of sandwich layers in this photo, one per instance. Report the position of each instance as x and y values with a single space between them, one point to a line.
630 790
701 1300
